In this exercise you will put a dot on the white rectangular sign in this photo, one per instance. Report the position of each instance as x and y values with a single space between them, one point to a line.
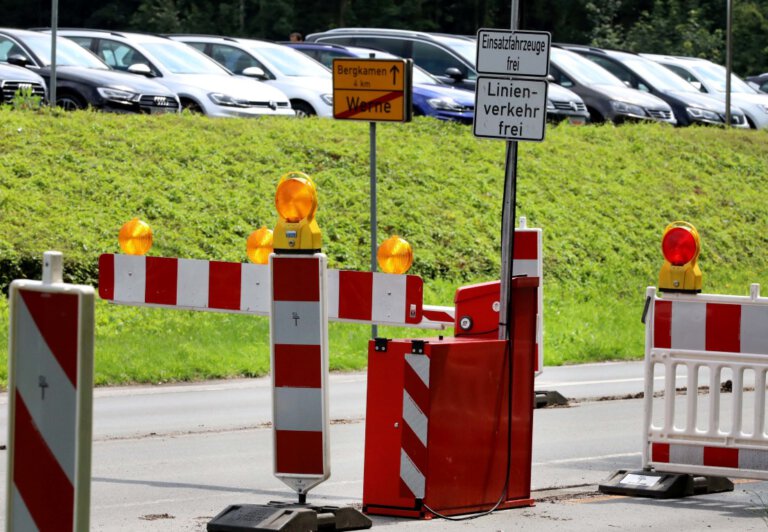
511 109
513 53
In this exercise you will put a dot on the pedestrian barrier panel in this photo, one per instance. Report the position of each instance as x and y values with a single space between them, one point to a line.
51 338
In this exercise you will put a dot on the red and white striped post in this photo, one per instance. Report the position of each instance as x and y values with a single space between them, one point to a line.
50 402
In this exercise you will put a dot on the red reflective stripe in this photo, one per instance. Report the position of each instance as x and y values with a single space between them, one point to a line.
161 283
526 245
416 388
107 276
299 452
721 457
414 294
662 325
660 452
56 317
413 447
355 295
363 106
224 282
723 327
296 279
297 366
438 315
40 480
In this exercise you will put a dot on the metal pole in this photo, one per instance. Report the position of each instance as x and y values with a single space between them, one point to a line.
508 218
728 59
54 27
374 328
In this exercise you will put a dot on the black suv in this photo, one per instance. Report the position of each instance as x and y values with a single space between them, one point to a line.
82 79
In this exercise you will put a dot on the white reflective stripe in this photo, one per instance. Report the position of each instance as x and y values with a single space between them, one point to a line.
21 518
686 454
46 390
419 364
296 322
332 293
192 283
754 329
688 328
411 475
753 459
388 298
525 267
254 292
130 278
299 409
415 418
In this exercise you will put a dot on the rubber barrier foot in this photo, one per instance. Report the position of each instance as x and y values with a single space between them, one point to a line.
660 485
288 518
544 399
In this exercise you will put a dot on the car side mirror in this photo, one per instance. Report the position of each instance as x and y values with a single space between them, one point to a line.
254 72
551 78
454 73
141 69
18 60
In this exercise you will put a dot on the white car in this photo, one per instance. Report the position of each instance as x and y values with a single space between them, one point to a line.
307 83
201 83
709 78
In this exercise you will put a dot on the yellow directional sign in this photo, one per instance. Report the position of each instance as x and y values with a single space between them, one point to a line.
374 90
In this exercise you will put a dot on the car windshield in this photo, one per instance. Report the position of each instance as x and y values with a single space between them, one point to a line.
714 78
67 52
582 69
182 59
290 62
659 76
465 48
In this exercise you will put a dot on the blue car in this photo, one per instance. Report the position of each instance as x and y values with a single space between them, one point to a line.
430 96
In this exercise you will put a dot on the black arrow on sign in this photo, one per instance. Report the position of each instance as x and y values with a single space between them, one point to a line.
395 70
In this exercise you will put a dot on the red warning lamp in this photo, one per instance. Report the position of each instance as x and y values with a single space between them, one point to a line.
680 245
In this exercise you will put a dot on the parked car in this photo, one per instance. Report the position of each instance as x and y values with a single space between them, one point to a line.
562 104
202 84
709 78
307 83
759 83
606 97
15 80
82 79
689 105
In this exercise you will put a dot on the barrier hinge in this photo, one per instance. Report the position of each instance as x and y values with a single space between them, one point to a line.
380 344
417 347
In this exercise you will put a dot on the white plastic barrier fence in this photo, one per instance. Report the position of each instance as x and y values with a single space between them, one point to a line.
710 339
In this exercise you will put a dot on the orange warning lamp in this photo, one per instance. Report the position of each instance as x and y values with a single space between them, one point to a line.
680 245
296 202
259 245
135 237
394 255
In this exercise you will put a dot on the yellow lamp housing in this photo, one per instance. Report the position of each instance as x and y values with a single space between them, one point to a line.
135 237
394 255
296 203
259 245
680 246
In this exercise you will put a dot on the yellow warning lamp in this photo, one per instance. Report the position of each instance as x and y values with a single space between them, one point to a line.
394 255
259 245
135 237
680 245
296 202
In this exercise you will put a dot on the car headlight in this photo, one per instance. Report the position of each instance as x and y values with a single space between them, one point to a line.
118 95
327 98
445 103
226 100
697 113
627 108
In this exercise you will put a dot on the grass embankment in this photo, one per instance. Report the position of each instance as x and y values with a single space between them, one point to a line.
602 195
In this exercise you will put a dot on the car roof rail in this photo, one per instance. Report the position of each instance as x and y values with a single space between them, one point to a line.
68 28
206 35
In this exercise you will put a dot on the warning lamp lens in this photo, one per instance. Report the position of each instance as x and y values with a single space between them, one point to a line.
394 255
679 246
295 199
135 237
259 245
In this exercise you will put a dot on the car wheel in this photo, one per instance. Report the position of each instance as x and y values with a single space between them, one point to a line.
70 102
191 106
303 109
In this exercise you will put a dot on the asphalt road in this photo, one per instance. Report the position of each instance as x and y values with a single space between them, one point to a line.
172 457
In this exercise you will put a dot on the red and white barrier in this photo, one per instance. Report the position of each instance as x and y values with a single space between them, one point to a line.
725 337
413 455
50 402
299 361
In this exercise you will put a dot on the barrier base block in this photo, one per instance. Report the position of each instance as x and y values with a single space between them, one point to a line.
287 517
546 398
661 485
